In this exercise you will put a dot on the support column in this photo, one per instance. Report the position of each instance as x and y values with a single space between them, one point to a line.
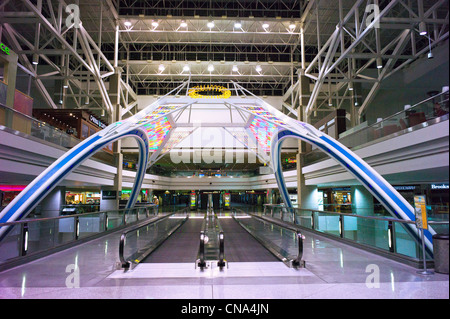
304 95
114 93
52 204
362 201
109 199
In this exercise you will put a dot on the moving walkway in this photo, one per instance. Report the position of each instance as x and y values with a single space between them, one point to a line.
209 239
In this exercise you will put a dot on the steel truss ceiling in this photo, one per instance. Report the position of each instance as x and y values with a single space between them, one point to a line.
328 41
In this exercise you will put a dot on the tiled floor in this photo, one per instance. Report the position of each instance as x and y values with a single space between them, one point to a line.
333 270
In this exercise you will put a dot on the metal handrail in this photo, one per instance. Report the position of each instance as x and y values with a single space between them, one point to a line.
389 219
201 250
400 112
37 121
221 262
123 261
71 216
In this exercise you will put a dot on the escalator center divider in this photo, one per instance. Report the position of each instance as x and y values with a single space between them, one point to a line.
211 246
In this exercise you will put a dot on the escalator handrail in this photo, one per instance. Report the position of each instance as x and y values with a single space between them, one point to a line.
123 261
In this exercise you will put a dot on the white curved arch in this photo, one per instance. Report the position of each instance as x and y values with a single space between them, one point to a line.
22 205
374 182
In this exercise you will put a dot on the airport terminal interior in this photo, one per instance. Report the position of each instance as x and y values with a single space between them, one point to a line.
224 150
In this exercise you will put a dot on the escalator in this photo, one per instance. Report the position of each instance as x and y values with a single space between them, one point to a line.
171 251
241 246
206 239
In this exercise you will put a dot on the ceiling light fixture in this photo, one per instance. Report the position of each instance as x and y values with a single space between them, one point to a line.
183 24
265 25
127 24
292 26
235 68
155 24
161 67
423 28
258 68
35 59
210 68
379 63
210 24
186 68
237 25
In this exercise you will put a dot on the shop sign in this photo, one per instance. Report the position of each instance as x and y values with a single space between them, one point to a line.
4 48
405 188
96 121
109 194
439 186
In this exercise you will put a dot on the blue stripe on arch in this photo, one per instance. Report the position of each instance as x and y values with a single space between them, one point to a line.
373 177
44 179
363 180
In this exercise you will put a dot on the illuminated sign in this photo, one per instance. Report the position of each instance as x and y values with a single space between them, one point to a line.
96 121
405 188
4 48
439 186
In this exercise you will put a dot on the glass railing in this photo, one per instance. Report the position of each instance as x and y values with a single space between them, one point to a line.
33 127
387 234
33 236
18 122
417 116
284 242
137 243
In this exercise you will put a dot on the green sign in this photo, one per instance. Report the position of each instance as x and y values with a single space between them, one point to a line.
4 48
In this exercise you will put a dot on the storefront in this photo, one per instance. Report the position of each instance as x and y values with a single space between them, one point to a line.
142 197
8 193
74 197
337 199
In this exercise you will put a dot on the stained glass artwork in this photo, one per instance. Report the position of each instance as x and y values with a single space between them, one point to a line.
261 112
162 110
157 131
176 137
242 136
263 132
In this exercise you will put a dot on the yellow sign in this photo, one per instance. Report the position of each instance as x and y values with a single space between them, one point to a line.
421 211
195 92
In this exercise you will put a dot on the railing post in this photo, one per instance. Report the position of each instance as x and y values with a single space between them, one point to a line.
24 239
391 237
313 223
124 218
201 262
341 226
298 262
106 221
77 227
221 250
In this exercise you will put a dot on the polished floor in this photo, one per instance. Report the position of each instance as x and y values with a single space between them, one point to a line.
333 270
